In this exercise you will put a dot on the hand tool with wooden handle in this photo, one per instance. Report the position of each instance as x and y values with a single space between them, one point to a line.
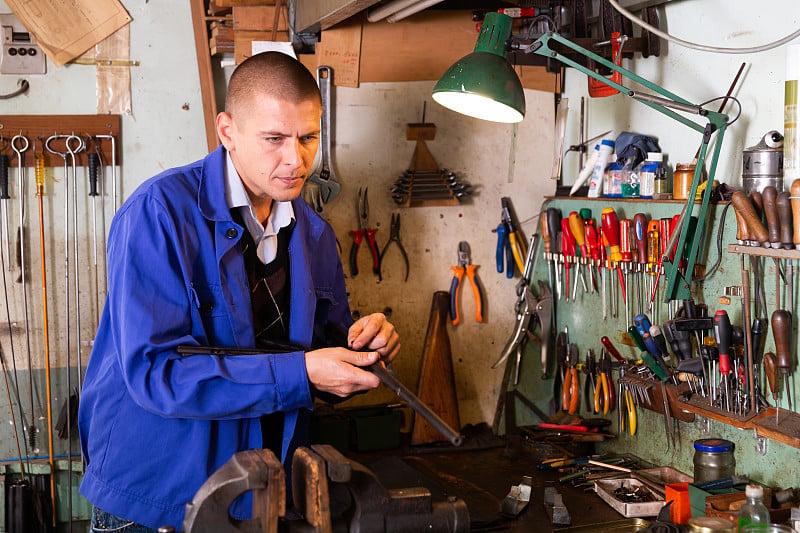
795 198
770 196
771 373
782 331
784 207
746 209
742 230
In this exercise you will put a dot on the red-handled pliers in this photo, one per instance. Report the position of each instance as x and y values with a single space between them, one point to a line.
465 266
362 214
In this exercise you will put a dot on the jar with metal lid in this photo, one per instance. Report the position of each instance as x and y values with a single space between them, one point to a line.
713 459
710 524
682 180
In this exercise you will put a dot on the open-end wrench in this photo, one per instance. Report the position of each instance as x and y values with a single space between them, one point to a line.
325 178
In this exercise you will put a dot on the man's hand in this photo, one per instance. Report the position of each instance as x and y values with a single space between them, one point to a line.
336 370
374 332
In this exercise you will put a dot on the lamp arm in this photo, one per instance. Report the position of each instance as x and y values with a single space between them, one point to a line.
678 286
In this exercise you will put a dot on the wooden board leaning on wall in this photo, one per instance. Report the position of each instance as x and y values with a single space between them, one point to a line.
421 47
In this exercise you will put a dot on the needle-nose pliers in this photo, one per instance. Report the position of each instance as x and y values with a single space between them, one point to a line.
362 213
465 266
394 237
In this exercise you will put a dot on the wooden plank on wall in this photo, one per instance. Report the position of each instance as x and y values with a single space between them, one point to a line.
204 69
423 46
340 49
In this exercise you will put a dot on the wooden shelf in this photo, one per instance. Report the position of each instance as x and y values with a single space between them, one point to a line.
702 406
777 253
786 430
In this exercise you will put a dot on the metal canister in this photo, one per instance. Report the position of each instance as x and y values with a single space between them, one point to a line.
710 524
762 164
713 459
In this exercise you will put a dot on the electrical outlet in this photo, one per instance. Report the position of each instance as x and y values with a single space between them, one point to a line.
19 53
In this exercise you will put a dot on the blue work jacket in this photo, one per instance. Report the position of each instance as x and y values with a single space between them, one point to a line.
154 424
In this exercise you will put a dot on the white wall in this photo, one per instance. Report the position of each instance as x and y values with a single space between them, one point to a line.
699 76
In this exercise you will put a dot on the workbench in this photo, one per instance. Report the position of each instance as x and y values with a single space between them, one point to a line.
483 477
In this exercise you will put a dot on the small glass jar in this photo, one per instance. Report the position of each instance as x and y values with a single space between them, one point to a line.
682 180
713 459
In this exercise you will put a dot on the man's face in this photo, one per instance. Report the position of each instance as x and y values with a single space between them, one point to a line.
272 144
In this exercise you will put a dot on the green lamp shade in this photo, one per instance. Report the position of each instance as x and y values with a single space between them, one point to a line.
483 84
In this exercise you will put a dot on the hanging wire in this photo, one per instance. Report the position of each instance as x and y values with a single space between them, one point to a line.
706 48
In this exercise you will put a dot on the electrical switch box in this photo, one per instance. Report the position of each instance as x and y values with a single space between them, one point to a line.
19 53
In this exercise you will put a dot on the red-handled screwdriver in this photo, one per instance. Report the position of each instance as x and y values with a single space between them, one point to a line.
640 242
627 256
722 331
568 251
610 223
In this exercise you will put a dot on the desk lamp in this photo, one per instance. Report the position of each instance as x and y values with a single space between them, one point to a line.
465 83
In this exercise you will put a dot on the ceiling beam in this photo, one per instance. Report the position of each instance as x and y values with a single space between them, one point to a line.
312 16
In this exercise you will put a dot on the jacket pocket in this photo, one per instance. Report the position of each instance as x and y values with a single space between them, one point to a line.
210 321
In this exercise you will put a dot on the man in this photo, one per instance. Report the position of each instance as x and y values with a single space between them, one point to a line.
219 253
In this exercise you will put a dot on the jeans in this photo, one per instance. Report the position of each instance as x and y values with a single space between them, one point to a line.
105 522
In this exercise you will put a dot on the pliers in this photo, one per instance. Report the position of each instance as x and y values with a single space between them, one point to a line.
590 385
604 393
394 237
465 266
510 242
362 214
571 391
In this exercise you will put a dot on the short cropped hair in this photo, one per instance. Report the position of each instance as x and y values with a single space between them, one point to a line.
273 74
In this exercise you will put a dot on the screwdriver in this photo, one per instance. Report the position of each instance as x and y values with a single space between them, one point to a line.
781 331
579 234
553 225
625 252
567 252
722 332
547 253
654 362
640 242
665 227
610 223
652 260
591 260
590 235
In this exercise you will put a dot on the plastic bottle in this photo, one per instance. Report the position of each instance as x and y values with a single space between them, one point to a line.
630 179
613 179
596 184
649 173
586 171
754 515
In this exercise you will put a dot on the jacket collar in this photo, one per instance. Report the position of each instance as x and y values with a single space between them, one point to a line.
211 193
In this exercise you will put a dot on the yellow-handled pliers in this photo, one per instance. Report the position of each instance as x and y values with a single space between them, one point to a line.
516 240
630 410
465 266
602 393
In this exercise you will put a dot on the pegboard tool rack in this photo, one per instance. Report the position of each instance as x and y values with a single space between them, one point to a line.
43 126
